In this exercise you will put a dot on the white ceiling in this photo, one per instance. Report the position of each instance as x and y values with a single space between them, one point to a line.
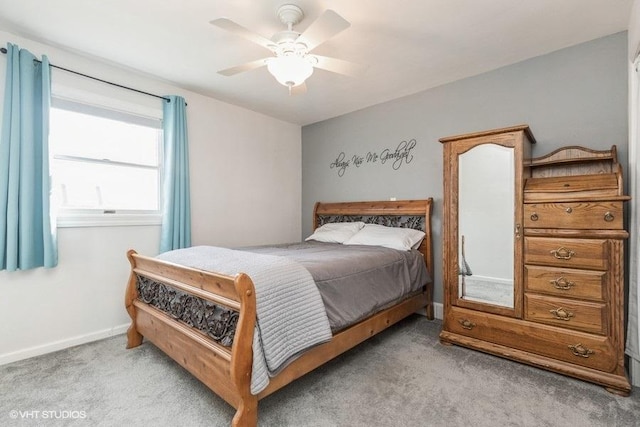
409 46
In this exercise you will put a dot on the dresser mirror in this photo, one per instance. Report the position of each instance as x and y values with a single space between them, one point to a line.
486 224
483 186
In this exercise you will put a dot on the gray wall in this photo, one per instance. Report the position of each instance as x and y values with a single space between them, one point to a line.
575 96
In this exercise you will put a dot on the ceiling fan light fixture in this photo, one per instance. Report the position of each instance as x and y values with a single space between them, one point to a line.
292 61
290 70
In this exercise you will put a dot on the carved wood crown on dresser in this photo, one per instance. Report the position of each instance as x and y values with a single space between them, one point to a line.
567 310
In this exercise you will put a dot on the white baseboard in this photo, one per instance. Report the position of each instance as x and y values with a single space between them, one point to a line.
62 344
634 371
438 311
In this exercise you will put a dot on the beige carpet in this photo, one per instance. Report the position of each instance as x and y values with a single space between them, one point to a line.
402 377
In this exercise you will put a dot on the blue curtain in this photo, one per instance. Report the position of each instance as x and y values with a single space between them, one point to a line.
27 228
176 209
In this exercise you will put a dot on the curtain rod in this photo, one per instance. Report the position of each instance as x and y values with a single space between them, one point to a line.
4 50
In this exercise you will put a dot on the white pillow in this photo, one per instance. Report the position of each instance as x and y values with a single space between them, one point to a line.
336 232
390 237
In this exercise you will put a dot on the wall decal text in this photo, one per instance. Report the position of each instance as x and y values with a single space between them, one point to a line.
396 157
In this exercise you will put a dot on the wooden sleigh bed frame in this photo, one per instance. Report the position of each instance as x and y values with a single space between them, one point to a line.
227 370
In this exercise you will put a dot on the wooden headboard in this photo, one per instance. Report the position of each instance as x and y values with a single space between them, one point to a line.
403 213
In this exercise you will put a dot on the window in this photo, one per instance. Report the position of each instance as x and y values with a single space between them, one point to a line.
105 164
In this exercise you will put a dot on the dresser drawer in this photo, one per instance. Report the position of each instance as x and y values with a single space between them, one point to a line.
580 348
582 216
572 187
566 313
573 253
566 282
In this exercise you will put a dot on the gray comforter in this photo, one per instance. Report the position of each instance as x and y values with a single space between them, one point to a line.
355 281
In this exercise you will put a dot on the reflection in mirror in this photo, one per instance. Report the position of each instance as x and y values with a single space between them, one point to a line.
486 224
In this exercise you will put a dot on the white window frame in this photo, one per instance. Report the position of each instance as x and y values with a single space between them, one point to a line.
108 218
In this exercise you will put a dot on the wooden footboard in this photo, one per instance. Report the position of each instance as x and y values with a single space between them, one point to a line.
226 369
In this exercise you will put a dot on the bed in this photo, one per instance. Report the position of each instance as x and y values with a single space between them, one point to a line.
215 343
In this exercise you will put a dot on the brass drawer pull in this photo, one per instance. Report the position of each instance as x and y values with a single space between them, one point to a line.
562 314
467 324
562 284
581 351
568 210
562 253
534 216
609 217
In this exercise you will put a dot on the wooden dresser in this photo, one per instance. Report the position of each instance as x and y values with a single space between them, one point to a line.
557 302
573 261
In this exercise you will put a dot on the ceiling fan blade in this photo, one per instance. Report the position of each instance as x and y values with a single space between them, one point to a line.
322 29
229 25
244 67
298 90
339 66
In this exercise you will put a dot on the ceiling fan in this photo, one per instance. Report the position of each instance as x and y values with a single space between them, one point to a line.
293 63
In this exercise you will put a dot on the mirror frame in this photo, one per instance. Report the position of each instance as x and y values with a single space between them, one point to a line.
453 149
